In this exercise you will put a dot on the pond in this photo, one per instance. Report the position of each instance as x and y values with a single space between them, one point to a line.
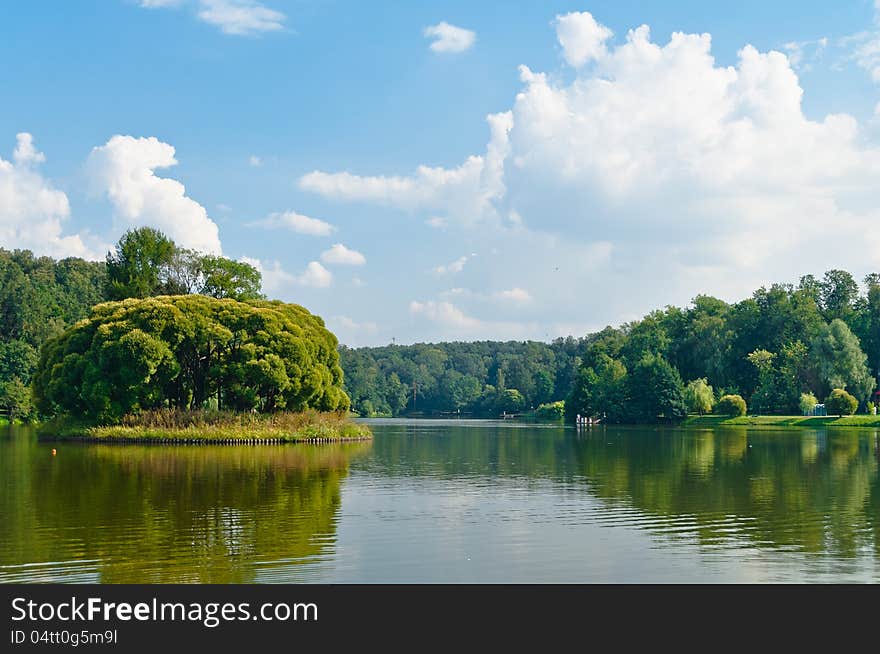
448 501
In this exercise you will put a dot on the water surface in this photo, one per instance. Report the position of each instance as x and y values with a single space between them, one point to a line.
448 501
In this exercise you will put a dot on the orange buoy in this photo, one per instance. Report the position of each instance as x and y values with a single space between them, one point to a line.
54 451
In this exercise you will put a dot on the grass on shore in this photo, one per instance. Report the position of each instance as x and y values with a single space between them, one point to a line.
783 421
172 425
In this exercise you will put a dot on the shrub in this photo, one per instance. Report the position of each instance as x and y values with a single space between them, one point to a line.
551 412
841 403
807 403
731 405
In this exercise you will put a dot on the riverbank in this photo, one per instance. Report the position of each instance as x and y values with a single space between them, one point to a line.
783 421
204 427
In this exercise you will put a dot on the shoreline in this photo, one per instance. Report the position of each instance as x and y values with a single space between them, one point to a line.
197 429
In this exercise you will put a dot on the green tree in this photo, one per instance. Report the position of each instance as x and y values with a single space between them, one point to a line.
731 405
841 403
138 267
655 392
837 294
15 398
698 396
807 403
839 360
179 351
225 278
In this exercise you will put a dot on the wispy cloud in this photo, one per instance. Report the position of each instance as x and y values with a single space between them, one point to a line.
296 222
235 17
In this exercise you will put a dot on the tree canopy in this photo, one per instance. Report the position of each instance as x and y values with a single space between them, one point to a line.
186 351
146 263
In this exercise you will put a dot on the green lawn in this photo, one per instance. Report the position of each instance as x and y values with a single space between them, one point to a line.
784 421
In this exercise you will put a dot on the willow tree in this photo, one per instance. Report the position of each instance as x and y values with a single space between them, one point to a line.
182 351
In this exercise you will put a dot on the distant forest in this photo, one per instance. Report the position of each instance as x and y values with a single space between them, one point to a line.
782 344
485 378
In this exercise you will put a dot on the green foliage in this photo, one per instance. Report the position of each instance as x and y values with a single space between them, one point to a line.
807 403
602 391
731 405
147 263
510 400
461 378
698 396
225 278
179 351
841 403
551 412
839 360
15 399
656 393
139 266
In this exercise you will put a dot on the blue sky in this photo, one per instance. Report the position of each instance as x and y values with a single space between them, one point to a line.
620 171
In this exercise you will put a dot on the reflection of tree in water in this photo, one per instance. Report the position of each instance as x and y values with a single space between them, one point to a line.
811 491
807 491
190 514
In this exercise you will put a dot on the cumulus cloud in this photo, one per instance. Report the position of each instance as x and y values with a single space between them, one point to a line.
25 154
255 161
444 313
124 170
449 38
654 170
32 210
277 282
451 268
340 255
297 223
581 37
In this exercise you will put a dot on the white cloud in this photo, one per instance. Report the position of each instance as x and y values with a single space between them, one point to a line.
124 169
340 255
33 211
255 161
516 294
581 37
277 282
655 170
347 323
315 275
452 268
802 53
241 17
465 194
445 313
297 223
437 222
25 154
449 38
159 4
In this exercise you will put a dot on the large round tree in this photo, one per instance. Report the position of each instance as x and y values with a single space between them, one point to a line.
184 350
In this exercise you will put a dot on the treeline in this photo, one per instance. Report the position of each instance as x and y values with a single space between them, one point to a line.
777 351
40 297
484 378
